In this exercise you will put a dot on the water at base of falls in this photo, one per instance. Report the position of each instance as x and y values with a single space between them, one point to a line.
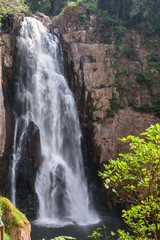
79 232
44 95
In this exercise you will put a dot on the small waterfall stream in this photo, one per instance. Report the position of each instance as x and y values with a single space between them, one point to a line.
46 100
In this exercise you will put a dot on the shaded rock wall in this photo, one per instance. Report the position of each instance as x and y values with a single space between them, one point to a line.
2 112
25 177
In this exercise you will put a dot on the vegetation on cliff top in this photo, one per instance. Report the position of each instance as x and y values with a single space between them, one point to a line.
12 7
135 179
128 13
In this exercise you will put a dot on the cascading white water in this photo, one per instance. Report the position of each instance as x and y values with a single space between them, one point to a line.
45 96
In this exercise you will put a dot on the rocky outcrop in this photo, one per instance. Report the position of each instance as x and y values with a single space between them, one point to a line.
126 122
110 81
91 78
2 112
16 224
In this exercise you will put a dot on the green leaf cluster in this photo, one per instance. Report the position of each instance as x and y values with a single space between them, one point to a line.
97 234
12 7
114 106
135 178
133 12
62 238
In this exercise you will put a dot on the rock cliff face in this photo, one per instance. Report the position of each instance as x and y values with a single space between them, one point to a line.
116 85
25 178
2 112
6 75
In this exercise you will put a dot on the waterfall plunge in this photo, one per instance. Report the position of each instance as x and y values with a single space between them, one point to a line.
47 101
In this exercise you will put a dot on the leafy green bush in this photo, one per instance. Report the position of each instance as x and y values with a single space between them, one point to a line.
114 106
156 105
143 108
141 78
107 19
12 7
135 178
91 58
71 4
127 52
155 57
90 5
7 236
110 113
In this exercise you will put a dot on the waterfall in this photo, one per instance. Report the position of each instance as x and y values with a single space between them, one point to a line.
46 100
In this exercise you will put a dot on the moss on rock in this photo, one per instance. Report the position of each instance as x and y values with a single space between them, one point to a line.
16 224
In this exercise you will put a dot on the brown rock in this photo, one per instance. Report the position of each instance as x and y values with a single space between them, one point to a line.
2 112
17 230
45 20
126 122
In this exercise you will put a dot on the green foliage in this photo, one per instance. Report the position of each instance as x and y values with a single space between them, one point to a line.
90 5
62 238
156 105
155 57
149 30
121 73
48 7
135 178
43 6
84 20
18 218
97 234
143 108
132 12
153 42
91 58
12 7
127 52
114 106
106 18
71 4
1 212
120 13
141 78
7 236
153 107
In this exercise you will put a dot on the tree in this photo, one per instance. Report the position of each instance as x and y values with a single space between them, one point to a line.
12 7
135 179
89 5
